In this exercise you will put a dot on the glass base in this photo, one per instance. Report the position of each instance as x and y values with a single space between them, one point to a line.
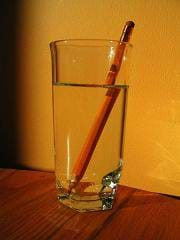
83 198
87 201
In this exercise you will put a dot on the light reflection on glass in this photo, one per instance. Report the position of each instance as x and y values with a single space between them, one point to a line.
68 156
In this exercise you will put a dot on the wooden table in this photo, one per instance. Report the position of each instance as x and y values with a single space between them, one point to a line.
29 210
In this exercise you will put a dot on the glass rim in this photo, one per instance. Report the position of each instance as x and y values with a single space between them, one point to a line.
74 41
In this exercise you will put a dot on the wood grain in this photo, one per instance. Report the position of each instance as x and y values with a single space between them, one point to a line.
29 210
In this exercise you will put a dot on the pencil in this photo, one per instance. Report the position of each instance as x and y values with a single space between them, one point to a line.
102 115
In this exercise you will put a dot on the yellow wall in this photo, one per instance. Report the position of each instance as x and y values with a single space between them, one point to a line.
152 152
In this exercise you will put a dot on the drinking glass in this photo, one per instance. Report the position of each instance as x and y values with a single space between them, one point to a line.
79 72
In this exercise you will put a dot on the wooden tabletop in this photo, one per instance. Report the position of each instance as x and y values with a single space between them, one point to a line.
29 210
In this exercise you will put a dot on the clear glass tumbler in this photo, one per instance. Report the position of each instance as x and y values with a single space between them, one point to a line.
81 96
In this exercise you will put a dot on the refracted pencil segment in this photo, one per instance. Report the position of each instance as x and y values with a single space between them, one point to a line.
103 171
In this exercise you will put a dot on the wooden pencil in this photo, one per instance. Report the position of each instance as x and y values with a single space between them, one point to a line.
102 115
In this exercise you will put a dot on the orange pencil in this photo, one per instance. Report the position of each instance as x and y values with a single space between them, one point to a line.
110 97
